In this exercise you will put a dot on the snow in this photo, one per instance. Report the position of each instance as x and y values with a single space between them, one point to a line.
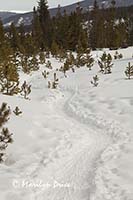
75 142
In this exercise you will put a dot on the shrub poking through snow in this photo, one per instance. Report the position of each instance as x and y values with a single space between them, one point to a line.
118 56
45 74
73 70
5 135
17 111
129 70
95 80
53 84
105 63
48 65
25 90
49 84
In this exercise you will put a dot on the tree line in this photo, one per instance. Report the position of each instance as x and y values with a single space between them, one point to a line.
97 28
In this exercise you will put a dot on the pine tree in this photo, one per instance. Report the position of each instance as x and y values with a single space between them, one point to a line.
45 23
33 63
36 30
5 135
9 77
25 90
17 111
94 26
129 71
111 27
45 74
54 49
105 63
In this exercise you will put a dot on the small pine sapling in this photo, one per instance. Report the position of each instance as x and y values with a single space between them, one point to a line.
73 70
25 90
5 135
48 65
45 74
129 71
118 56
95 80
17 111
105 63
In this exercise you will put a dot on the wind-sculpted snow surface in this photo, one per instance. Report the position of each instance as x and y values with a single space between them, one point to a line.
75 142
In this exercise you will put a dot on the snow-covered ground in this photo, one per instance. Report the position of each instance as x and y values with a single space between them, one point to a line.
73 143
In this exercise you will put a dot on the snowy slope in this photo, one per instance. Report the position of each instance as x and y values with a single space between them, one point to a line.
73 143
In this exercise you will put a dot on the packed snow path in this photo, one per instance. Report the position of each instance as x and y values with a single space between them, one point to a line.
72 177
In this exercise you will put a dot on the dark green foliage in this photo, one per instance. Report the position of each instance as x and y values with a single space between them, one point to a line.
25 90
5 135
95 80
54 49
9 78
17 111
29 64
107 29
45 24
33 63
129 71
36 30
105 63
